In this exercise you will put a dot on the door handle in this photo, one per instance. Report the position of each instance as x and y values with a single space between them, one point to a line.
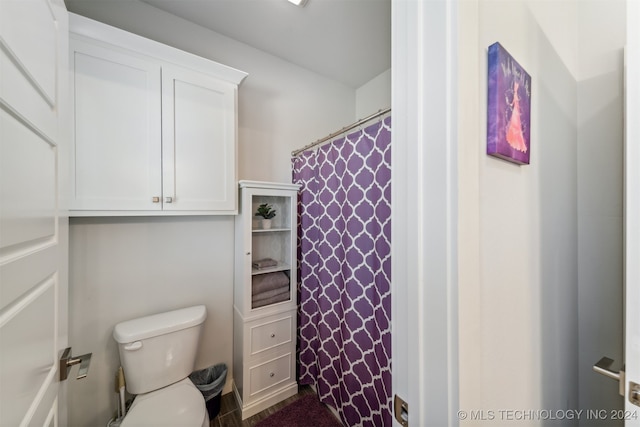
401 411
634 393
603 367
67 361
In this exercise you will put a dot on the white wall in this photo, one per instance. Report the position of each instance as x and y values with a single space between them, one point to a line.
600 201
374 95
123 268
521 333
518 261
127 267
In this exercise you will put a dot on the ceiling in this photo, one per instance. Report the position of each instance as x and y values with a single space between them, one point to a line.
345 40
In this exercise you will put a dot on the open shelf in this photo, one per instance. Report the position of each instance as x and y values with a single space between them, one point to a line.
280 267
270 230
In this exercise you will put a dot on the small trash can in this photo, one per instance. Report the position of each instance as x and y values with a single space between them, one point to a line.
210 382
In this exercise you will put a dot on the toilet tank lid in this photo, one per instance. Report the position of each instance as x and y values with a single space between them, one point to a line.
159 324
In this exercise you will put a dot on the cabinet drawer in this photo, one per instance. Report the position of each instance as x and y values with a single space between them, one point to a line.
269 374
271 334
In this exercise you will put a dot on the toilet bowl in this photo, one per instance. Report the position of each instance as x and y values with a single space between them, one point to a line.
157 354
180 404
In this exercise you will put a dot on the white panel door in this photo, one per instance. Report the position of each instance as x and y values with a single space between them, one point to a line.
33 221
632 212
198 142
117 141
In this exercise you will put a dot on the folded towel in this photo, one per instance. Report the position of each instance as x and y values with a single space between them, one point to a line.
272 300
269 281
266 262
269 294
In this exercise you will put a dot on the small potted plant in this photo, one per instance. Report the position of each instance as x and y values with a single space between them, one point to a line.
267 212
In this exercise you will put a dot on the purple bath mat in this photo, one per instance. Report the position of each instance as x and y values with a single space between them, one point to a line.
304 412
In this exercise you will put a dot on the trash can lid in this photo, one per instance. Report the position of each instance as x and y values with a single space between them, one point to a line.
180 404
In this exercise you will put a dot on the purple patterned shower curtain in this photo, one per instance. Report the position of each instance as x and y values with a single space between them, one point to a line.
344 254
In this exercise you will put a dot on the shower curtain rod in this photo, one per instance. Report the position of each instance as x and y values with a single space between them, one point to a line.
340 132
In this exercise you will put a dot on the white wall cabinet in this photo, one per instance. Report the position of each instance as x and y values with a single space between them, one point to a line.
154 127
265 298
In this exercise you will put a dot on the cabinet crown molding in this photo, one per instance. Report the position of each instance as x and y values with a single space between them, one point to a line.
243 183
80 26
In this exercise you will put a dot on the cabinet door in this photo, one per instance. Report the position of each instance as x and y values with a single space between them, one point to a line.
117 142
261 290
198 142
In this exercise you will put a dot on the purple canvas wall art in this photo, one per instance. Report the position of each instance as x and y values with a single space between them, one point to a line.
508 107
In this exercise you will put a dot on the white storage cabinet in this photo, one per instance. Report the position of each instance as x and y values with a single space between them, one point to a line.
265 299
154 127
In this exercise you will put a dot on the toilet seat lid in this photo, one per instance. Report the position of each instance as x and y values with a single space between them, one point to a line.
180 404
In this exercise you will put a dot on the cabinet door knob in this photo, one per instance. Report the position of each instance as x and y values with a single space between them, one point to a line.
248 253
168 199
156 199
273 335
272 374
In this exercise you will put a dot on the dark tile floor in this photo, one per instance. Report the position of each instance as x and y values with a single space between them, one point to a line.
229 415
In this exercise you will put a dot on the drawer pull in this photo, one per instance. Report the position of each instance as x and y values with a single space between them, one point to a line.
272 374
273 335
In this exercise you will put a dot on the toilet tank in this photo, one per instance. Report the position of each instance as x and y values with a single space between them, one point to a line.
159 350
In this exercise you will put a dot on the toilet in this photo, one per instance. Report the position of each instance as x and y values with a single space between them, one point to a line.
158 353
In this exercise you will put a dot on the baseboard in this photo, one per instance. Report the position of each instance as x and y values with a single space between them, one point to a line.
265 402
